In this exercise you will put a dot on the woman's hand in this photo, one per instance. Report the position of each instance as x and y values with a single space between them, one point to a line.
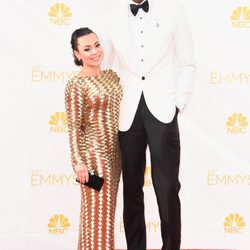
82 173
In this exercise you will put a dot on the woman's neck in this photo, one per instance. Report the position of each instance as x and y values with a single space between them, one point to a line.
90 71
137 1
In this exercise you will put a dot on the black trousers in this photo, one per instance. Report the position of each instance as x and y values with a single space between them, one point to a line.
164 146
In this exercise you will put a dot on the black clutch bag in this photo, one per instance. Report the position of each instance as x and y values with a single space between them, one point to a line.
95 182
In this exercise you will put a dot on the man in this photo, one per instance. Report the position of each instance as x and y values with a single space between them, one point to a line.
152 45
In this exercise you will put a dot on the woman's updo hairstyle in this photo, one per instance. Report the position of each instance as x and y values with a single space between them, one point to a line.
75 35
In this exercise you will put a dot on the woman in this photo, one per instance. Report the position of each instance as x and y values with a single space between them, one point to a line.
92 101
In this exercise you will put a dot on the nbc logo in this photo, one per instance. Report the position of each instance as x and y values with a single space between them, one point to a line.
237 124
58 225
147 177
59 14
58 123
241 17
234 224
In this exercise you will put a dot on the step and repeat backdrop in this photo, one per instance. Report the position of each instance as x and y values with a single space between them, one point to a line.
40 200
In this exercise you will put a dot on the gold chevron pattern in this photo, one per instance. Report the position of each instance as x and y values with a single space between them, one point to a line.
92 109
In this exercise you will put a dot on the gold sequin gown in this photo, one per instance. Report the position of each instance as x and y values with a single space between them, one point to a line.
92 108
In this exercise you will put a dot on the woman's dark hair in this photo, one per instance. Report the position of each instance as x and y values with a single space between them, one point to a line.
75 35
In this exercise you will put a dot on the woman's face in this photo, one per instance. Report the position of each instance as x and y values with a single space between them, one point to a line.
89 50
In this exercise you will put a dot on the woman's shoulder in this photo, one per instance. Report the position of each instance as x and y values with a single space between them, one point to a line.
75 82
111 73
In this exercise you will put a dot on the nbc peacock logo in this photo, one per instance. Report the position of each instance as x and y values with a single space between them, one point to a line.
59 14
241 17
234 224
147 177
58 225
237 124
58 123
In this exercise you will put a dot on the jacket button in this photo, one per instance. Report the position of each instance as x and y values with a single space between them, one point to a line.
143 78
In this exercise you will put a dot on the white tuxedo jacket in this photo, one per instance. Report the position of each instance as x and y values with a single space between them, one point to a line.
167 79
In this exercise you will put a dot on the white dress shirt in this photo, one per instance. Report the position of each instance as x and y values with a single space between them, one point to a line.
139 32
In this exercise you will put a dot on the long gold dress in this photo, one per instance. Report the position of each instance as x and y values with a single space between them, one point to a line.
92 108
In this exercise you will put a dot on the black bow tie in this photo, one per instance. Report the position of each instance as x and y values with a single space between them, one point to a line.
135 7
